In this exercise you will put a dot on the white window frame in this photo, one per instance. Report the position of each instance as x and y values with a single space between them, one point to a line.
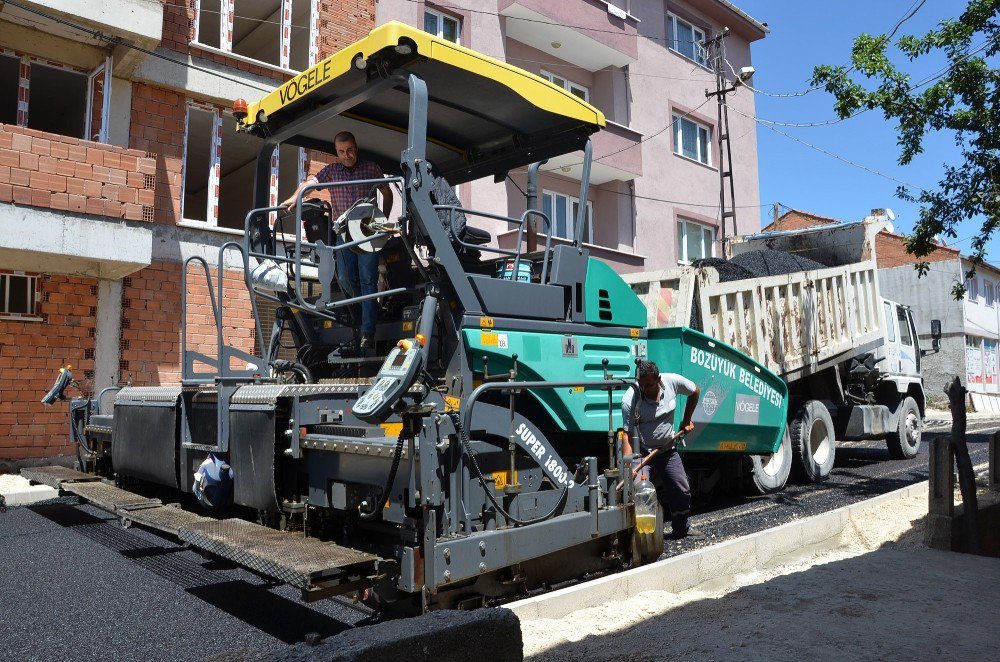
973 289
699 39
704 145
566 84
989 293
571 219
215 166
36 299
682 256
442 17
101 71
227 11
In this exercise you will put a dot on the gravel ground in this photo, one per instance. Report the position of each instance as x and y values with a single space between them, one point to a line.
880 595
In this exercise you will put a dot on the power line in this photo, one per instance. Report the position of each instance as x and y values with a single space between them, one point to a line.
812 89
832 154
644 140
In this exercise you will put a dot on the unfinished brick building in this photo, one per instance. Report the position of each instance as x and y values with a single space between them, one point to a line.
118 161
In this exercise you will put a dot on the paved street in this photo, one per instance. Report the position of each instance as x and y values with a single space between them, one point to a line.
77 586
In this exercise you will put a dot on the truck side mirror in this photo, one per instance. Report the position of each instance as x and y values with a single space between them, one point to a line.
936 334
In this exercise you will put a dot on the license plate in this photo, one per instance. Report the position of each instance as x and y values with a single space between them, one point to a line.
732 445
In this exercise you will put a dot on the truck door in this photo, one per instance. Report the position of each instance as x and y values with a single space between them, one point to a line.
907 342
891 363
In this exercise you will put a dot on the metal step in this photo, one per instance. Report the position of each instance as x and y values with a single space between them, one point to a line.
54 476
109 497
307 563
169 519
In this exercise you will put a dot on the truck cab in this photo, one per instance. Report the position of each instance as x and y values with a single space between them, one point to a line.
901 352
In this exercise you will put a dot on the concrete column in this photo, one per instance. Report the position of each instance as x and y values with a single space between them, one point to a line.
107 340
941 496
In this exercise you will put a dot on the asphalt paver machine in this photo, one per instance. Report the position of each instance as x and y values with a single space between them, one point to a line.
471 455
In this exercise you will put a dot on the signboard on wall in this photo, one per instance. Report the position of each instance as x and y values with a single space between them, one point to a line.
973 361
990 367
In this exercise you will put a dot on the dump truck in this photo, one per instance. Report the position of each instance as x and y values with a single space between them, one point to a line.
809 309
472 453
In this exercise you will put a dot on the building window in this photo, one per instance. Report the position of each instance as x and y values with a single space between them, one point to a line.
990 293
694 241
692 140
18 295
973 289
568 85
55 98
442 25
275 32
562 211
219 167
686 39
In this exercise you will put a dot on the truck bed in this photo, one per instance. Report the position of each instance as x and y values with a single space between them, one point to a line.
794 324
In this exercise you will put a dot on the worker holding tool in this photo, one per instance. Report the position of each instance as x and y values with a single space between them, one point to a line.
651 416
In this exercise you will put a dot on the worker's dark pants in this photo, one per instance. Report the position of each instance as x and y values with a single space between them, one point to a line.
666 471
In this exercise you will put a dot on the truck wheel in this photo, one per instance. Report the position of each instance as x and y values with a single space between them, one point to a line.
813 440
647 547
905 442
769 473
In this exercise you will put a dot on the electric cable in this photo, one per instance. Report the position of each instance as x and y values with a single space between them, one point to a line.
466 445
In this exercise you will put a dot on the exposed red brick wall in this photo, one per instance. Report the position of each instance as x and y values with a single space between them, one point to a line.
151 321
157 126
890 251
796 220
342 22
30 356
68 174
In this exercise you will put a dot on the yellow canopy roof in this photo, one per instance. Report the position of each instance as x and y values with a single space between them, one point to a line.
484 116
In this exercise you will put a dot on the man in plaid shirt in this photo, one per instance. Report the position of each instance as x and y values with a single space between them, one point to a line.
358 272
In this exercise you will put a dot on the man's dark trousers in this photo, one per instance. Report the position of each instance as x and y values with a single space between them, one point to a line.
666 471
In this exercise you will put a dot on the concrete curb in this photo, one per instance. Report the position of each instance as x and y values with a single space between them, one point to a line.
18 491
727 559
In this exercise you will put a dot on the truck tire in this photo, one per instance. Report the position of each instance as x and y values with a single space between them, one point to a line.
769 473
647 547
904 444
814 441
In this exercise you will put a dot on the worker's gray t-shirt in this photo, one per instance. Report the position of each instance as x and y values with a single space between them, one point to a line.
655 420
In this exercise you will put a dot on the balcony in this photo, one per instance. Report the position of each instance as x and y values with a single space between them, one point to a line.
69 198
617 156
588 33
138 22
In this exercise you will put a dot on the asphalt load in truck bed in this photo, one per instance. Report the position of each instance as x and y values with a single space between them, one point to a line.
759 263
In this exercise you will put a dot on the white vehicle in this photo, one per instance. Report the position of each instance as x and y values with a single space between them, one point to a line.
851 359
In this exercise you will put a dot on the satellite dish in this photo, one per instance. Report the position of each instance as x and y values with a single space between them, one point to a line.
890 214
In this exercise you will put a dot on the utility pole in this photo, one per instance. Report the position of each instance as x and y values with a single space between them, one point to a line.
716 49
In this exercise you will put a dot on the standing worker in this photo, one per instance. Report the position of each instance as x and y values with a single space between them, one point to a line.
651 415
358 273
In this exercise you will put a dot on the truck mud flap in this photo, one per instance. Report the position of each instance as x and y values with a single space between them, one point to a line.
252 456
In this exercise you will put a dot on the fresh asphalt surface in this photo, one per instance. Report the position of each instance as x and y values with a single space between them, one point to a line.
76 586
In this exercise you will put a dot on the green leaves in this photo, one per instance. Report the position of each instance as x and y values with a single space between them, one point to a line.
962 98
